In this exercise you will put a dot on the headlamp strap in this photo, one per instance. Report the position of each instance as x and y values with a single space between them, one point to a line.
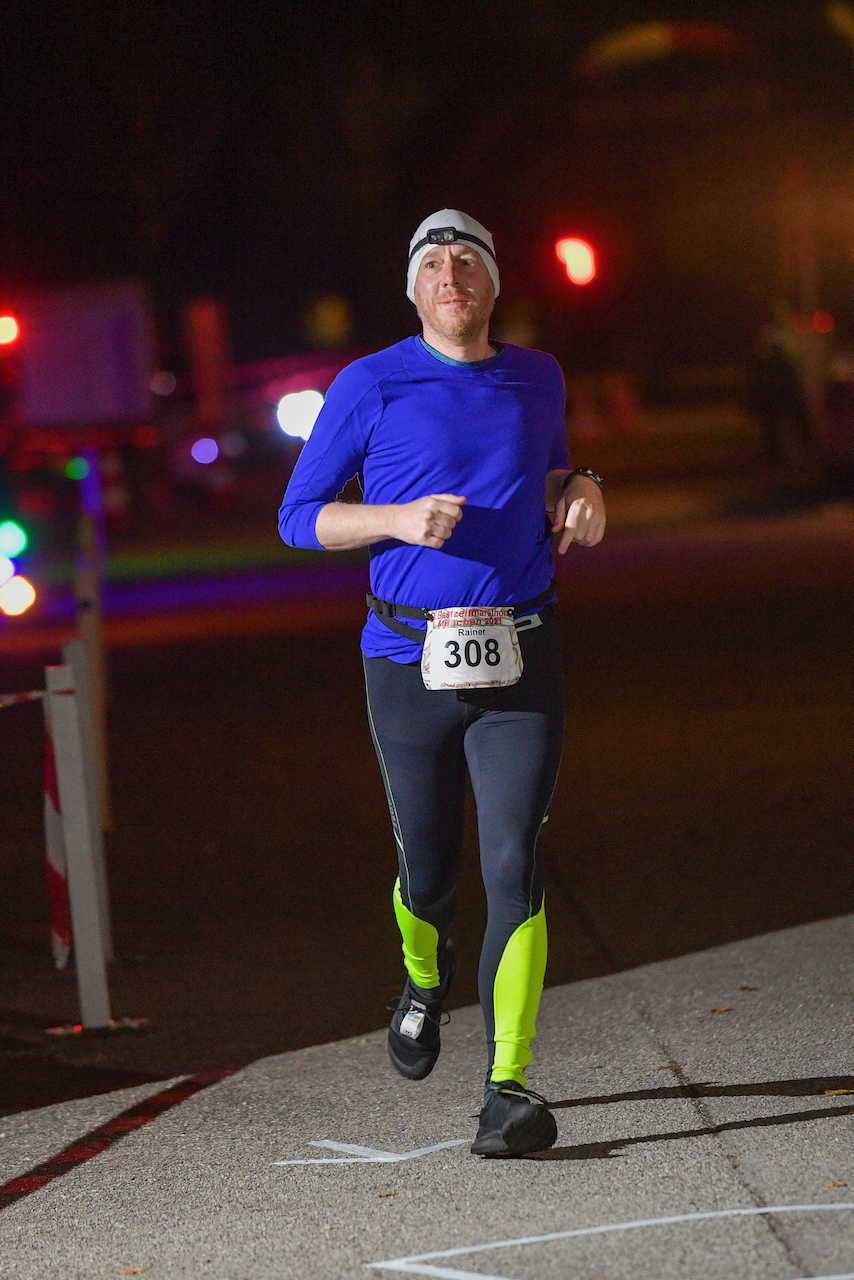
450 235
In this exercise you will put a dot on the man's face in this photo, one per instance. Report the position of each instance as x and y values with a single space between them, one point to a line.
454 295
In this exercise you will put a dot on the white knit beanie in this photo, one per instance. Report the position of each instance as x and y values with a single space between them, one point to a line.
449 226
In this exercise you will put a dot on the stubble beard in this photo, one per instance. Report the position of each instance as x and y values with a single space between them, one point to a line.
457 327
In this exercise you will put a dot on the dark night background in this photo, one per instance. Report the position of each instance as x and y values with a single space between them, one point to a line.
273 153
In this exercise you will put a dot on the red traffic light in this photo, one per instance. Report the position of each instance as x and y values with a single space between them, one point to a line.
9 330
578 258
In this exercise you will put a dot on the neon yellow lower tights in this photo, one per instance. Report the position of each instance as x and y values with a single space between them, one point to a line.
420 943
516 990
516 997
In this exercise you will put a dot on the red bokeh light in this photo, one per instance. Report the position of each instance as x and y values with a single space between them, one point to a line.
578 258
9 330
823 322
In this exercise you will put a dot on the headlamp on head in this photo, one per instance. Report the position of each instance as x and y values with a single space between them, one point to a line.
442 235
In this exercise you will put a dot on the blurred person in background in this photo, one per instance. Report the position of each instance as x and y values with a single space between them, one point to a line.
775 393
459 445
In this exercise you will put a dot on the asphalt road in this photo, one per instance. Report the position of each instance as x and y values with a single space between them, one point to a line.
704 1118
704 797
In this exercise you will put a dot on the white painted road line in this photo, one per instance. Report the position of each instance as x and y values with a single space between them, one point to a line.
415 1265
331 1160
447 1273
443 1273
352 1150
368 1155
440 1146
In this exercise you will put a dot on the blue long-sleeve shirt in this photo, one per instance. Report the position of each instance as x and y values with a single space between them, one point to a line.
409 424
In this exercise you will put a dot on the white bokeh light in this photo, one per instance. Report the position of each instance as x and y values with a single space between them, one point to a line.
16 596
297 413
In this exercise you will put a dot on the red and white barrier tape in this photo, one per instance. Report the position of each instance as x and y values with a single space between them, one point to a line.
14 699
55 865
55 870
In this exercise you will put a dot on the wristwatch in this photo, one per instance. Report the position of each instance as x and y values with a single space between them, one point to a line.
584 471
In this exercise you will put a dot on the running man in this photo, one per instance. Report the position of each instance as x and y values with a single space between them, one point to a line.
459 446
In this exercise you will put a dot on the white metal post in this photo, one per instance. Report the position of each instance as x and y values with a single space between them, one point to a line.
75 654
77 827
91 556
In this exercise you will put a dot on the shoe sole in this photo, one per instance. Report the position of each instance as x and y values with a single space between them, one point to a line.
536 1131
416 1070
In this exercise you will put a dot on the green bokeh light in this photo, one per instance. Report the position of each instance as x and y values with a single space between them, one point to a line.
12 538
77 469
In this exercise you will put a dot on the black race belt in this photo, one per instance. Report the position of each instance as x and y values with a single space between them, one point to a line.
386 611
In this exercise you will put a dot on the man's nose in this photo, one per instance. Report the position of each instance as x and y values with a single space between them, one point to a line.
449 271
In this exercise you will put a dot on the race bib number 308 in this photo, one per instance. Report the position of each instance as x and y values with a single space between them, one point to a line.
471 648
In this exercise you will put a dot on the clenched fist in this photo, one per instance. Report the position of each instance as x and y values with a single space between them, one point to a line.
427 522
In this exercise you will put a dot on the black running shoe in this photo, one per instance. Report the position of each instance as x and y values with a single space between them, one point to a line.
513 1121
413 1037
